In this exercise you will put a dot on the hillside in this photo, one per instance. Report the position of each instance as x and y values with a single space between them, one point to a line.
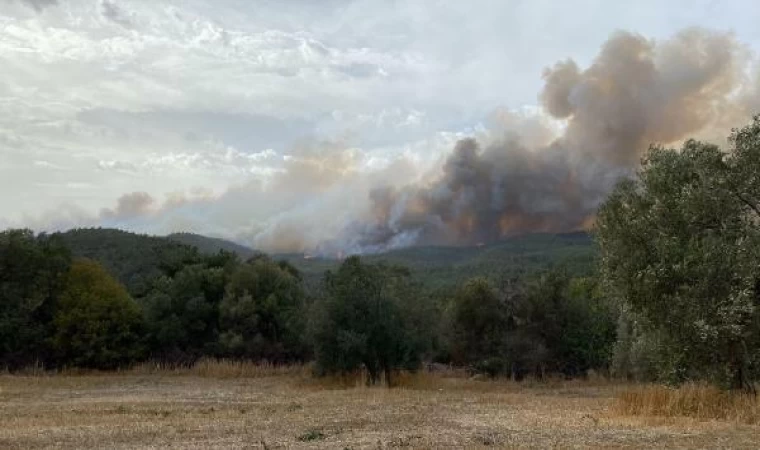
210 246
441 267
134 259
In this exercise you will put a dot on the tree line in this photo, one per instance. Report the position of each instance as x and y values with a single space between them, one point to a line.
62 311
676 296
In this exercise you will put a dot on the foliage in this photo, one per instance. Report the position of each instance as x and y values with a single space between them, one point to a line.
135 260
362 321
477 323
589 333
194 304
546 323
211 246
442 269
96 322
641 351
261 313
32 275
680 245
182 313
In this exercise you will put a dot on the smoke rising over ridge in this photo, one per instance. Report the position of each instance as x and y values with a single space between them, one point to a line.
636 92
547 171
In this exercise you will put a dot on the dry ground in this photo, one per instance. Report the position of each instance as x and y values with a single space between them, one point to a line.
157 410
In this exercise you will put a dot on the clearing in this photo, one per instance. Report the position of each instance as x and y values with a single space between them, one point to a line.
157 410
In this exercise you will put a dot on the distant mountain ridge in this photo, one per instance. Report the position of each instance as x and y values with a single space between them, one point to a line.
136 258
210 245
444 266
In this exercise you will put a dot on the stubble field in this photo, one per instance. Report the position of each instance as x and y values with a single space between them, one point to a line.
290 410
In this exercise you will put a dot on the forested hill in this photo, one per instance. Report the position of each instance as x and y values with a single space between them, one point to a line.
438 266
210 246
135 259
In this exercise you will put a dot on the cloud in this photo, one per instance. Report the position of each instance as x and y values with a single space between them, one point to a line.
247 131
116 14
39 5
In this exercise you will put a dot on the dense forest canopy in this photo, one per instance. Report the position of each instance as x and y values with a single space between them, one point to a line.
198 299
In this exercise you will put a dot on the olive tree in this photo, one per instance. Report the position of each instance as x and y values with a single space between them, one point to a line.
680 246
365 320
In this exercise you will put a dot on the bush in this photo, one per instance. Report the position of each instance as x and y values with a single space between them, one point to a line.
97 324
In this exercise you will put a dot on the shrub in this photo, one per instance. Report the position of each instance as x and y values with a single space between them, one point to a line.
97 324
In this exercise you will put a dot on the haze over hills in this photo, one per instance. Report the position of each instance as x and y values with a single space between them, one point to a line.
212 245
443 266
136 258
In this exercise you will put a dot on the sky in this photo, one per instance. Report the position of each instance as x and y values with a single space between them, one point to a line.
246 119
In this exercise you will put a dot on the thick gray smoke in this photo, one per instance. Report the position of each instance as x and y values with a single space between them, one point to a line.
635 93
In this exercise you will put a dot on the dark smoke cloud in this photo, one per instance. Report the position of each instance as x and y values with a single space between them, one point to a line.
635 93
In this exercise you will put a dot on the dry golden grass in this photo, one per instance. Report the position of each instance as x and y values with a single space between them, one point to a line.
691 400
219 404
222 368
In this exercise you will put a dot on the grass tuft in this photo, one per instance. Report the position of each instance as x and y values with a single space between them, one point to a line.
312 435
691 400
224 368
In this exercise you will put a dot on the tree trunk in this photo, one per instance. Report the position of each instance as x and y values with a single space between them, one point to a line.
372 370
739 379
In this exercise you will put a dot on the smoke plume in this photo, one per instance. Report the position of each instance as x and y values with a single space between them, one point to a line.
635 93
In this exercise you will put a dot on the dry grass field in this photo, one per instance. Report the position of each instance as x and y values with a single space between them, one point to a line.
247 407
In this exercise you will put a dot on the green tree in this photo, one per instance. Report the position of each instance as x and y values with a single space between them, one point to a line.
97 324
476 325
680 244
544 323
32 274
135 260
588 333
182 312
262 312
362 321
